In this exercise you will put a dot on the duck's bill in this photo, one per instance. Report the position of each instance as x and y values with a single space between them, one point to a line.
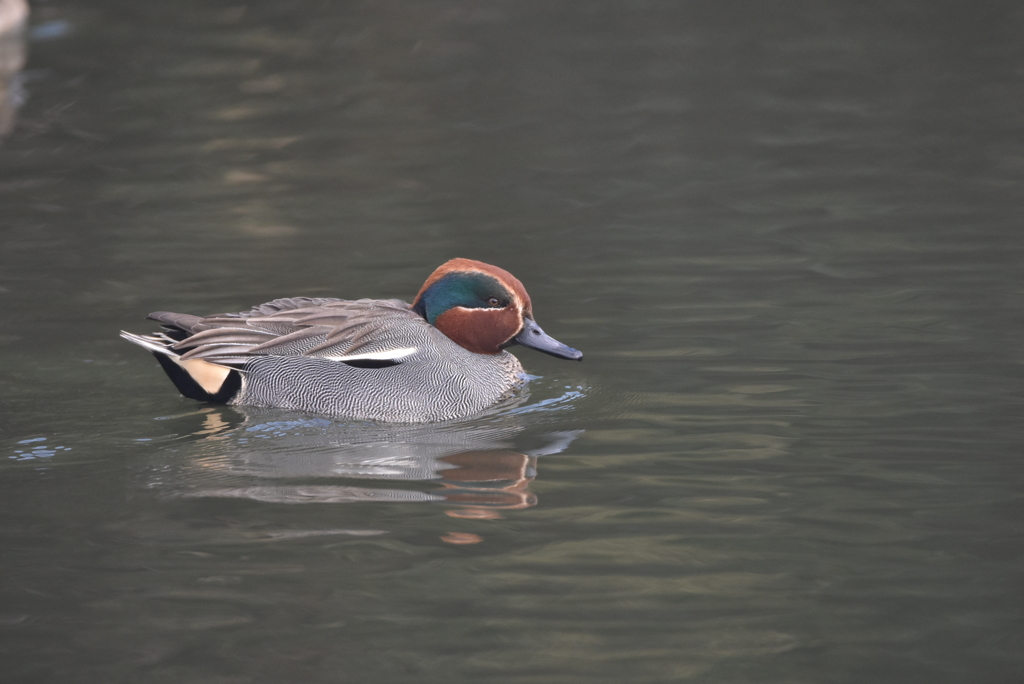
532 336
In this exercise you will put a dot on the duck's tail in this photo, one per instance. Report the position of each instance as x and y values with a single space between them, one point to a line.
195 378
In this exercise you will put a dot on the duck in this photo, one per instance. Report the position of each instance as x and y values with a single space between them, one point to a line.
440 358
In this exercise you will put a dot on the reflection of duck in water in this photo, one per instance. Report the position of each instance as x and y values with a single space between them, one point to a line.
442 357
486 480
275 461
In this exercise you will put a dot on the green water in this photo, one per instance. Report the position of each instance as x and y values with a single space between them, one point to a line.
786 237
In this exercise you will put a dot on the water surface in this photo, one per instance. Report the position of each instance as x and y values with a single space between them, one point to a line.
787 239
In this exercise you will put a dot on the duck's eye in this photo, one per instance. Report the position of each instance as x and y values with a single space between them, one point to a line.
493 301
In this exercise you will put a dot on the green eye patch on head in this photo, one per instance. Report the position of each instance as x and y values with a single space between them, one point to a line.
468 290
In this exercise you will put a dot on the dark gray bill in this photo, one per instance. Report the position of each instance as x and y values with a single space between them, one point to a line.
532 336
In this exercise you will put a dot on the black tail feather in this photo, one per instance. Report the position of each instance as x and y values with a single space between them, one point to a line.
191 389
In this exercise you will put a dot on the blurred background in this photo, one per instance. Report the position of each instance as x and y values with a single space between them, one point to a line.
787 237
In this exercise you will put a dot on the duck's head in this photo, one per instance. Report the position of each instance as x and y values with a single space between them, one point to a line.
484 309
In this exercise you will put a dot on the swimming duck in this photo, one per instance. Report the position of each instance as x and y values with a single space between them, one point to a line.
441 357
